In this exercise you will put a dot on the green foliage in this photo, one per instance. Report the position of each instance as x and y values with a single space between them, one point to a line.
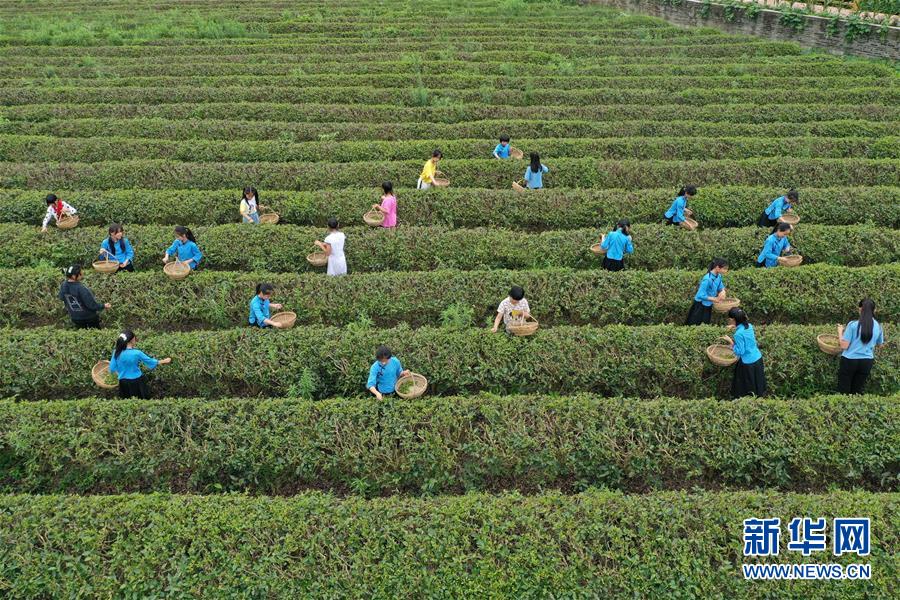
457 316
793 18
611 361
856 28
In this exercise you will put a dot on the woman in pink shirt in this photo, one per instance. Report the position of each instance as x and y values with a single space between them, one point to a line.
388 205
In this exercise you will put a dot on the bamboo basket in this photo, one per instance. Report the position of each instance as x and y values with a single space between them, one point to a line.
789 218
689 224
523 327
418 387
519 185
375 218
516 153
102 377
106 266
829 343
726 304
177 270
67 222
441 180
267 216
285 319
721 354
317 259
792 260
597 249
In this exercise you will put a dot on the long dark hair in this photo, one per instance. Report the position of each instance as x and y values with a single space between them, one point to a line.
535 162
116 228
739 316
264 288
793 195
717 262
251 190
623 225
866 320
690 190
122 341
185 231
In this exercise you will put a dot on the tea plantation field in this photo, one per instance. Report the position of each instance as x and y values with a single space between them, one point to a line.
601 457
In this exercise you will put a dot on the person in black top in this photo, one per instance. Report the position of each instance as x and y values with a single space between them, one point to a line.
83 309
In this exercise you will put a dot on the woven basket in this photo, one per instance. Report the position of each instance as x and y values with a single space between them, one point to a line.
267 216
519 185
688 212
440 179
689 224
418 387
829 343
726 304
375 218
106 266
177 270
523 327
789 218
597 249
285 319
317 259
516 153
720 354
67 222
792 260
102 377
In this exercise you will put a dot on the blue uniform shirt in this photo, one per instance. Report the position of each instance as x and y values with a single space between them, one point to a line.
119 255
745 346
772 249
857 348
502 151
259 311
778 206
617 244
185 251
710 285
384 377
128 365
535 180
676 211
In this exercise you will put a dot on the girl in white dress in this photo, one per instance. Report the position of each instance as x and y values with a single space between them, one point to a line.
333 246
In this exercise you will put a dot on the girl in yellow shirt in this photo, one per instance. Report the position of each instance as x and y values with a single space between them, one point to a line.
426 179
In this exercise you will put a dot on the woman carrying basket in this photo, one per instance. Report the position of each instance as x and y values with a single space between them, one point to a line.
426 178
56 209
617 244
513 307
116 247
384 373
749 374
778 206
126 363
261 307
184 248
858 341
388 206
250 206
776 244
675 214
710 290
333 246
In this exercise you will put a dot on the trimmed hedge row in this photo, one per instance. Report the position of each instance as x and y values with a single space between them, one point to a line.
284 248
815 294
480 173
15 148
595 544
324 362
551 209
316 113
283 131
448 445
540 97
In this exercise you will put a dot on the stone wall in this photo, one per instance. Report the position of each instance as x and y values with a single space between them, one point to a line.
766 24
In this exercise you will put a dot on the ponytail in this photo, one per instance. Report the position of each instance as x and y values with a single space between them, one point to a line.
866 320
689 190
115 228
623 225
122 342
739 316
264 288
717 262
185 231
535 162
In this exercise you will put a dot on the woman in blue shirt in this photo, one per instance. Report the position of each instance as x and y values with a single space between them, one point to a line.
126 363
261 305
711 290
858 341
749 374
534 173
776 244
675 214
501 150
116 247
384 373
617 244
184 248
778 207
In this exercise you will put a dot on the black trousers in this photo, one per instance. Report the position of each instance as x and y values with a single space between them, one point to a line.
699 314
669 221
748 380
853 374
134 388
93 323
611 264
765 221
129 268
